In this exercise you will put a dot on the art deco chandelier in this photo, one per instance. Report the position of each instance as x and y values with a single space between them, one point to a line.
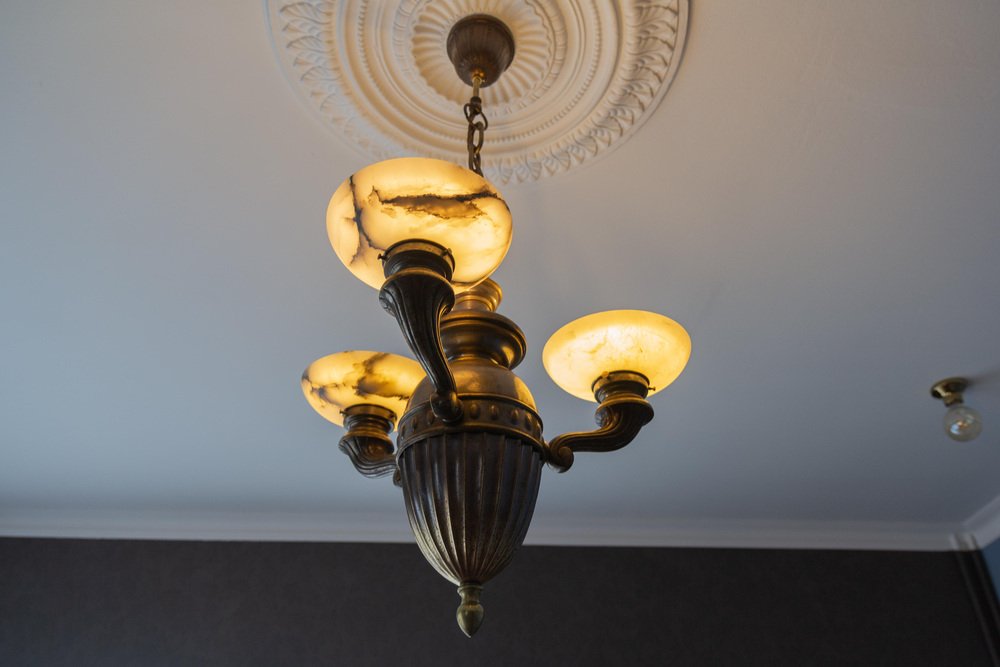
469 449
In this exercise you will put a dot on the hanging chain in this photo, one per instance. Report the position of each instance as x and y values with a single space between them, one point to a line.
477 127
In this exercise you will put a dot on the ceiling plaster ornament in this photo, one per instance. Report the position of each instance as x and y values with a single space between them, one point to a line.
586 74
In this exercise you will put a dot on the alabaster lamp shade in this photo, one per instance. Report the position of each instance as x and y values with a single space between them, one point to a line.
616 340
336 382
419 198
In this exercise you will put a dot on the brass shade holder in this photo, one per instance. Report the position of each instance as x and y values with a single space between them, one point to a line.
621 412
950 390
367 442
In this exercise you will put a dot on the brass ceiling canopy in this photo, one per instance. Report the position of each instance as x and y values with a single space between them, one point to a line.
469 449
480 46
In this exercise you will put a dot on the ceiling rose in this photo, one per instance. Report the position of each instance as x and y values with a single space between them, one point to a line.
586 74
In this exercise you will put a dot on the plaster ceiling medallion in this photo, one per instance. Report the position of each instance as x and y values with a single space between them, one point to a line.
586 74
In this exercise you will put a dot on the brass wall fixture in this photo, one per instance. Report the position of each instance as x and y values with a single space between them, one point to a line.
469 449
961 422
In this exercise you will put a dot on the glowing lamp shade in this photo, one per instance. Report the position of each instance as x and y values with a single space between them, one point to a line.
336 382
616 340
419 198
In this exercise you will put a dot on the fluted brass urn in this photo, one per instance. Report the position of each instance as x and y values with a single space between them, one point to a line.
469 451
470 487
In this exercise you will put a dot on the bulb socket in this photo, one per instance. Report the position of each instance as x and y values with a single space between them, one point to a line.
950 390
620 383
418 253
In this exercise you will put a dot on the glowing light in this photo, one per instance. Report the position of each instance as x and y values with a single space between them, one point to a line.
335 382
616 340
419 198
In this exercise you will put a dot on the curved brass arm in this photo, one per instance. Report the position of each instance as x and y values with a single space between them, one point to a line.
418 293
622 412
367 441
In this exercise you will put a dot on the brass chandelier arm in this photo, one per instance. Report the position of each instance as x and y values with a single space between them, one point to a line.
621 414
418 293
367 442
619 422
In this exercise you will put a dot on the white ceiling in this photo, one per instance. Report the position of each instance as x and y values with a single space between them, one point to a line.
817 200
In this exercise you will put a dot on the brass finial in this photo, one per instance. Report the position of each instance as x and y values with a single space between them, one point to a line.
470 612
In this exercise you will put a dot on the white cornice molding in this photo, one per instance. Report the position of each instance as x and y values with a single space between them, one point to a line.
586 74
553 531
984 525
748 534
205 525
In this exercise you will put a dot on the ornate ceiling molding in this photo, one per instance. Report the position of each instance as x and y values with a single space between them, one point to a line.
586 74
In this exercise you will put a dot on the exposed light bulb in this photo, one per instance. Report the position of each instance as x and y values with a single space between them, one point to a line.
963 423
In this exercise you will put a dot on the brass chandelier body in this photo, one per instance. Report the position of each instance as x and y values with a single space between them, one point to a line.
469 451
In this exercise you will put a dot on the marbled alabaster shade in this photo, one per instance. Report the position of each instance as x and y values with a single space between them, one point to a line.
419 198
334 383
616 340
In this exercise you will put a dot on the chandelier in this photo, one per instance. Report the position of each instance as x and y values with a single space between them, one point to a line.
469 449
